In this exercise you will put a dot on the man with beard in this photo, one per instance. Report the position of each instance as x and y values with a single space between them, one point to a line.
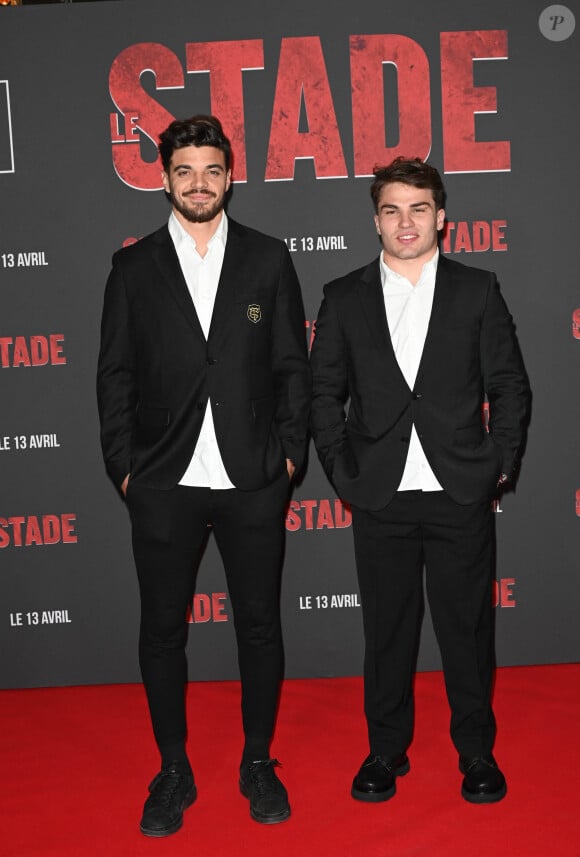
204 390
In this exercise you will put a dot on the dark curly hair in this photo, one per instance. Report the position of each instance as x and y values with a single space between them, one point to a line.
199 130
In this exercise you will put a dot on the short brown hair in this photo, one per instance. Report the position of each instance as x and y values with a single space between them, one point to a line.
411 171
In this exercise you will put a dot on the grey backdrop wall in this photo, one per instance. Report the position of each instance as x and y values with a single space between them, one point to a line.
312 99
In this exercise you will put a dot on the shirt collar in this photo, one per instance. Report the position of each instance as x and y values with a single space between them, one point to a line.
390 277
180 236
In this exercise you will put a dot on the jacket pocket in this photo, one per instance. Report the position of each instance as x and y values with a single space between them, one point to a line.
263 407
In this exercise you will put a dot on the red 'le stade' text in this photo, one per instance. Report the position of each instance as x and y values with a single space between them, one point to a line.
302 83
317 514
24 531
205 608
31 351
476 237
503 595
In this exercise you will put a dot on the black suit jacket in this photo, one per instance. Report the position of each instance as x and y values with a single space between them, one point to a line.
157 372
470 350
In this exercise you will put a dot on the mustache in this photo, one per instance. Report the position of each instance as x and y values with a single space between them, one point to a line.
198 191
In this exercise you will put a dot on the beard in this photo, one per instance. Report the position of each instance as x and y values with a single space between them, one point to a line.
199 213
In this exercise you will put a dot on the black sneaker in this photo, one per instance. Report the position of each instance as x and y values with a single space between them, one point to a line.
171 792
268 797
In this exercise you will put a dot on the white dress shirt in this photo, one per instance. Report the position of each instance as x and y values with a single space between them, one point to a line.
206 468
408 310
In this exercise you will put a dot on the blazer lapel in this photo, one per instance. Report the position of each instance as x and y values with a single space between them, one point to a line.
167 262
373 306
440 311
234 260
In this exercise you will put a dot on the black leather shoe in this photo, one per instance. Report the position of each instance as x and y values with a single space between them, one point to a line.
171 792
483 781
375 780
268 797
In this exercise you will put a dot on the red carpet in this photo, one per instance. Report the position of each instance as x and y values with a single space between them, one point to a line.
76 761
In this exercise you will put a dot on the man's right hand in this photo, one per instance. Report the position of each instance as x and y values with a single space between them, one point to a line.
124 484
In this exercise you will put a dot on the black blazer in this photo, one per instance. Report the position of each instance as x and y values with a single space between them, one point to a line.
470 350
157 372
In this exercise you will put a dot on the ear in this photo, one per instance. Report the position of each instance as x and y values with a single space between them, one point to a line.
228 180
440 219
165 180
376 219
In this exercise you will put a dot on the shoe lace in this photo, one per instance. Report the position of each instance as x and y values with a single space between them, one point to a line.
384 762
164 787
262 775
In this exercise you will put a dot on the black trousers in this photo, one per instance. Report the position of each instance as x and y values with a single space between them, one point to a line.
455 545
170 531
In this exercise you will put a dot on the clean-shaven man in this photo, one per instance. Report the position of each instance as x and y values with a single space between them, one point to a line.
416 341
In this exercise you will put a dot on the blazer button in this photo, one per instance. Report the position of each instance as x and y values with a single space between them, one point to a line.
211 361
417 395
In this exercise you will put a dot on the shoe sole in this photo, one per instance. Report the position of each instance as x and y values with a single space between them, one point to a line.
270 819
379 797
167 831
265 819
483 797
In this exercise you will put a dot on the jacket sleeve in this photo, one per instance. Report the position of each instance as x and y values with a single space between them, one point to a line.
330 384
116 378
290 367
505 379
